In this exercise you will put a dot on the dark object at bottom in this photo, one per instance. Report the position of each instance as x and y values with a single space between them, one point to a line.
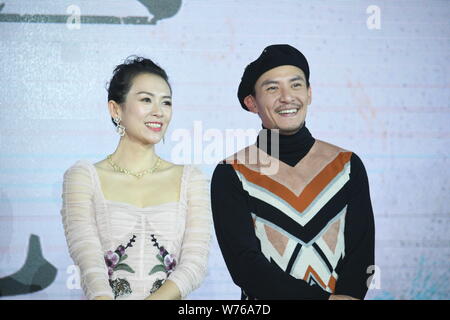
36 274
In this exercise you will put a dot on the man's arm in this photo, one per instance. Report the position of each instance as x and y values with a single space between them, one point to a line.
359 235
235 233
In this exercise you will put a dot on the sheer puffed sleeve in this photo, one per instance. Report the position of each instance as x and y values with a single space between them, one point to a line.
191 270
81 231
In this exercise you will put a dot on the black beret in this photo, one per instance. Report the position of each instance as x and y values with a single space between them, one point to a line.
272 56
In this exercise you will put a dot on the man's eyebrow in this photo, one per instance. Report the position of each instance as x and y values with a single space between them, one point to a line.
151 94
297 78
265 83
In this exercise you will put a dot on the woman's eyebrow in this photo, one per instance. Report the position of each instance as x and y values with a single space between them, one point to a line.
146 92
151 94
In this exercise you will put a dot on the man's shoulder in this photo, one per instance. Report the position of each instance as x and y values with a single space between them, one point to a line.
328 151
325 152
228 165
330 146
240 156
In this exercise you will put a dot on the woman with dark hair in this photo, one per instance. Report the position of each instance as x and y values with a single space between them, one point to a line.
137 226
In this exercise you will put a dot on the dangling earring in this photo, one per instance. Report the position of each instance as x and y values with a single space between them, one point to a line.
120 128
163 140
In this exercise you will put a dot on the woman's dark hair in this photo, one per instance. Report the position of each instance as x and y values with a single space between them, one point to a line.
124 73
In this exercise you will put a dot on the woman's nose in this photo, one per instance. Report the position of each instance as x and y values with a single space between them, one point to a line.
157 110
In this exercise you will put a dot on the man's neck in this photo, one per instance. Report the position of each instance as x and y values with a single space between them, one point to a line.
288 148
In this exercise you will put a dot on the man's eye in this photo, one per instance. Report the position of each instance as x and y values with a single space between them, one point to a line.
273 88
297 85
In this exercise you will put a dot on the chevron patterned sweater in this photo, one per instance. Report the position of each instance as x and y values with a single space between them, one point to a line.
294 226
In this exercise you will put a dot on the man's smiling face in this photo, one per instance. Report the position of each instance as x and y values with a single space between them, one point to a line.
281 99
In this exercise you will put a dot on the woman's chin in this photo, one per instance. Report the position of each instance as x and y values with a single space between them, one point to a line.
153 140
153 137
148 140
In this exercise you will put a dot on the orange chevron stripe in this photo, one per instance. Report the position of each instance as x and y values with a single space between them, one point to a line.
316 276
332 284
311 191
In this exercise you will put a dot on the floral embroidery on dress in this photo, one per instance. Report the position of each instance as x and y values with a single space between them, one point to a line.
156 285
114 261
120 287
168 261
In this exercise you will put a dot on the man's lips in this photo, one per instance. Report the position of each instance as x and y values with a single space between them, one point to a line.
290 111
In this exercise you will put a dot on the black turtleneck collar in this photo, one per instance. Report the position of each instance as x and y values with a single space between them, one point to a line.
292 148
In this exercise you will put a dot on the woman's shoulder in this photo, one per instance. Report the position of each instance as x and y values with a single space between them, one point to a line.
187 172
169 167
186 169
194 173
82 167
80 164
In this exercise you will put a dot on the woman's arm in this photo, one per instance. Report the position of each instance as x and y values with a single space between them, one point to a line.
103 298
193 260
168 291
81 232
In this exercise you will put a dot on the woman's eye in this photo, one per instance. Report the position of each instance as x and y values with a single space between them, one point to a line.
271 88
147 100
167 103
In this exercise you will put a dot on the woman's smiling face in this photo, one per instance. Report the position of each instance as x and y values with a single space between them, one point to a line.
147 109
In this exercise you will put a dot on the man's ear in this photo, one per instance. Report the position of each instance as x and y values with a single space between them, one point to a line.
250 103
309 95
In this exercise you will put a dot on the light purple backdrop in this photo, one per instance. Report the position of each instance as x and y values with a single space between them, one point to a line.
380 81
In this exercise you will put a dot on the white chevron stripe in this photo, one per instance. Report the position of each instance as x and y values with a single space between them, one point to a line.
329 191
269 250
340 215
308 257
301 218
339 251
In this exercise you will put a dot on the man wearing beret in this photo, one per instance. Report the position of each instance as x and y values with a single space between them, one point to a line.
306 229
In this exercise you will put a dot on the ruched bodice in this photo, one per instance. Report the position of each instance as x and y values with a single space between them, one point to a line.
127 252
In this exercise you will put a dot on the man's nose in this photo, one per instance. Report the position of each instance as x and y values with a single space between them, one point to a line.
285 94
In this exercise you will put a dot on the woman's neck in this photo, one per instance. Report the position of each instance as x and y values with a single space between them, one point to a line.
134 156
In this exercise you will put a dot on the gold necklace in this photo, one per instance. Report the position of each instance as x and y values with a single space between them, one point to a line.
126 171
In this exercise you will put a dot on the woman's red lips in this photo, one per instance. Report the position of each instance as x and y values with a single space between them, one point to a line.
154 126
